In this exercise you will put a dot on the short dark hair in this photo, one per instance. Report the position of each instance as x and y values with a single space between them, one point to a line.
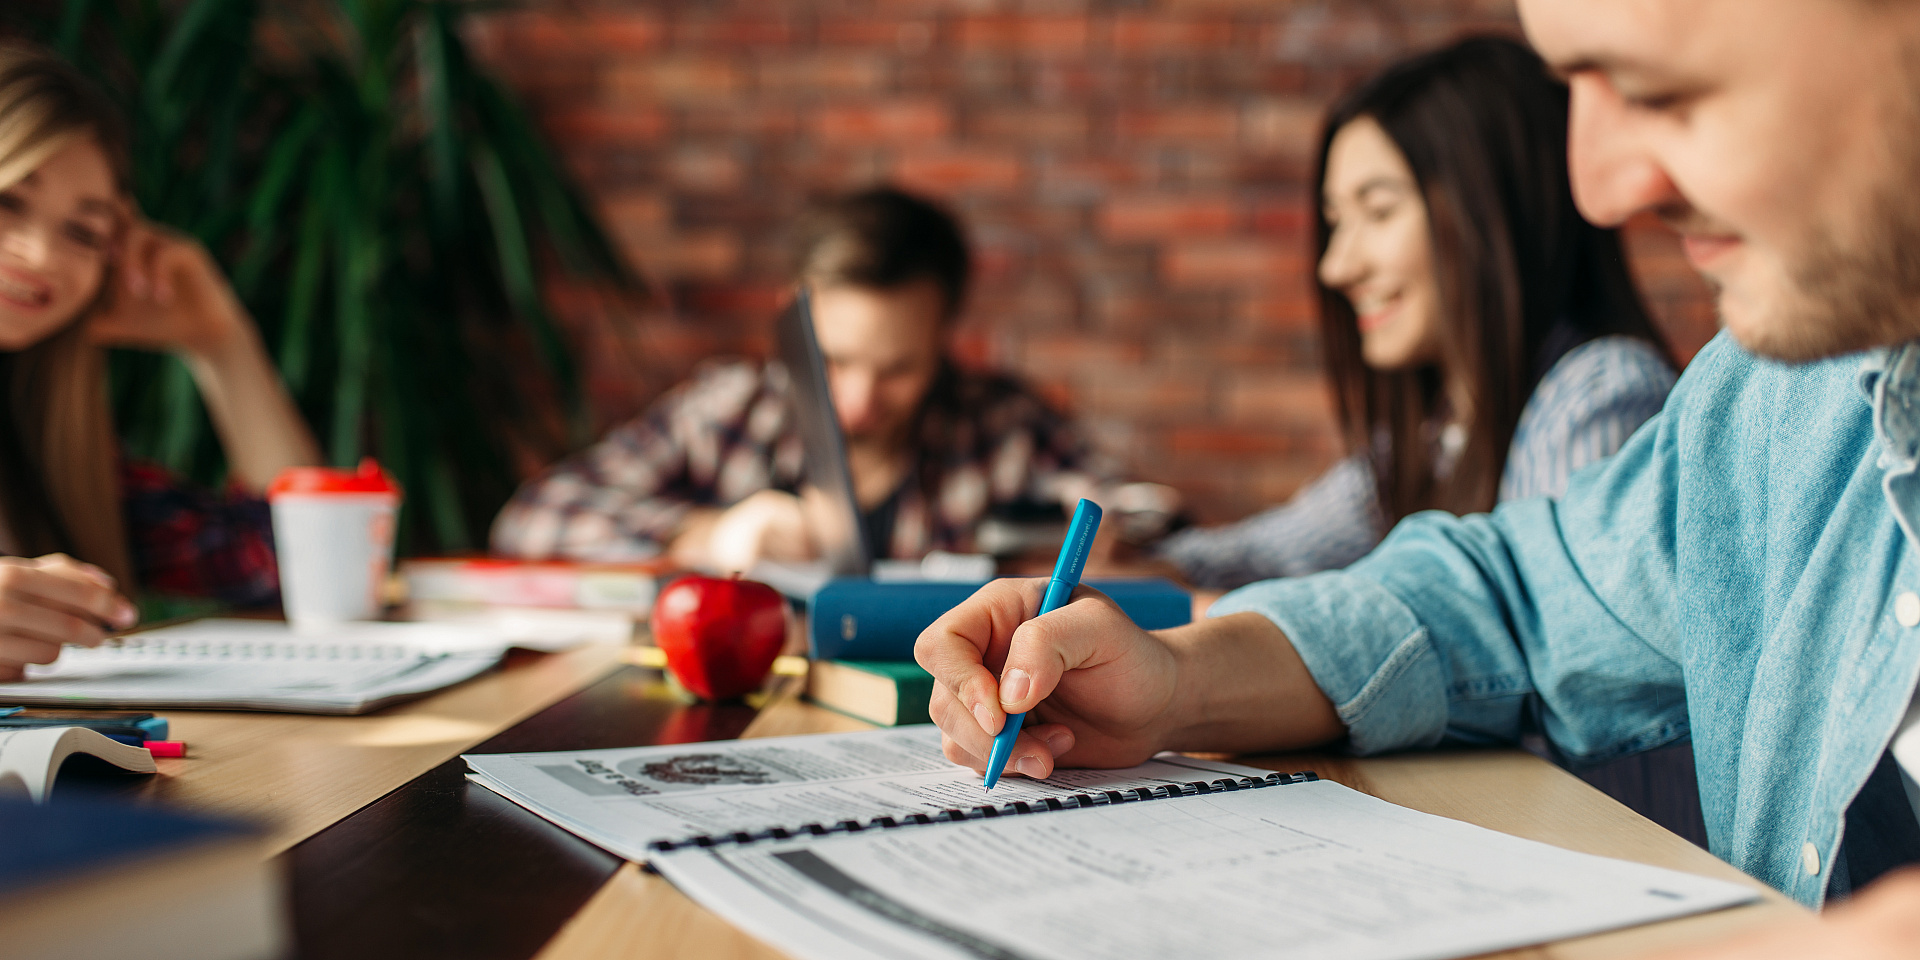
884 238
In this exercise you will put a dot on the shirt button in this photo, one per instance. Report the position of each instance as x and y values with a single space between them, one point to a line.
1906 609
1809 854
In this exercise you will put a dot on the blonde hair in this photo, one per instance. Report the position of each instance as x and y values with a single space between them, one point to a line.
66 495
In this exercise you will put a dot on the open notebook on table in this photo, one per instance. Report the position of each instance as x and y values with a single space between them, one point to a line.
263 665
871 845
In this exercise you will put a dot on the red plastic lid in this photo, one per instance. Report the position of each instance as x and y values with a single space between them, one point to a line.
368 478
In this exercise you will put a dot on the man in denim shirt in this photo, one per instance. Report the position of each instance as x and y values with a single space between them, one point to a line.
1744 572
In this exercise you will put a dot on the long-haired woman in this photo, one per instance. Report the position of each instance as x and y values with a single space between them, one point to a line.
1483 340
80 270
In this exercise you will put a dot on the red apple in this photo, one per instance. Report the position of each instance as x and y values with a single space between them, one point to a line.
720 636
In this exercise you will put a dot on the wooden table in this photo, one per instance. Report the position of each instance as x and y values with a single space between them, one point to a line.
392 853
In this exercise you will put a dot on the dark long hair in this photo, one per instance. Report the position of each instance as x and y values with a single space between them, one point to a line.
1522 276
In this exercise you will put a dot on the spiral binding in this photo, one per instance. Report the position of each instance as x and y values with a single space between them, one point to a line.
1102 798
210 649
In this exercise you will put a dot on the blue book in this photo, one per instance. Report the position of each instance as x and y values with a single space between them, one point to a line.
854 618
83 876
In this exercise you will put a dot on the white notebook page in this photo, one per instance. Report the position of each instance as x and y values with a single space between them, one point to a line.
1310 871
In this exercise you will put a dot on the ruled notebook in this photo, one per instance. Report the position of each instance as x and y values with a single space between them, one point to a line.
871 845
261 665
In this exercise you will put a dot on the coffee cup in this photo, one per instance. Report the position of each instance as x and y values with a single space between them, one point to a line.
333 535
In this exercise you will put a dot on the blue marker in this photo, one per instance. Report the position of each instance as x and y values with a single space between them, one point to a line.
1066 576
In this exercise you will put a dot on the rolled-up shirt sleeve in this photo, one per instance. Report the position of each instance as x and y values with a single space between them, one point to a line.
1458 628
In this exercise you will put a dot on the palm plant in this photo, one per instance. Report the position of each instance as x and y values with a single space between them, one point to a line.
384 209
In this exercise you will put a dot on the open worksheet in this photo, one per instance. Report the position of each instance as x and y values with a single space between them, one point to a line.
1306 871
628 799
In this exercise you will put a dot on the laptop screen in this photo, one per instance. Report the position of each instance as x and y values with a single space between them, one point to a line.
830 502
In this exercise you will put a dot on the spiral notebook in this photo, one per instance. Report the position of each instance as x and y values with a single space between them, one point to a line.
261 665
871 845
641 801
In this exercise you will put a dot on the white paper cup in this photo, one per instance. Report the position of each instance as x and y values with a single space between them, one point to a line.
333 536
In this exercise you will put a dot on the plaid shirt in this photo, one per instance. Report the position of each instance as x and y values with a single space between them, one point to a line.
187 541
987 446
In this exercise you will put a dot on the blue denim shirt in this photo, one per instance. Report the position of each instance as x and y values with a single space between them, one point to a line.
1730 574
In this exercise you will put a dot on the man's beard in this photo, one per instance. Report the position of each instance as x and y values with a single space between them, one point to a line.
1854 292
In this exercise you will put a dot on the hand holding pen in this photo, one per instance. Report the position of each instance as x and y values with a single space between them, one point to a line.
1098 688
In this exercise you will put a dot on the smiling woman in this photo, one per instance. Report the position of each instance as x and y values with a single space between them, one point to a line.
80 269
1484 341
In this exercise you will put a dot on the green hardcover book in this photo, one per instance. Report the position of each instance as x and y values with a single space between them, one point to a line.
886 692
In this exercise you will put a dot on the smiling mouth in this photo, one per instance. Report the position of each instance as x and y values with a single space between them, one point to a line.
1703 250
22 294
1375 312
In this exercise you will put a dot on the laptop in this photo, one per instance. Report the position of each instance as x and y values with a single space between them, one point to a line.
843 551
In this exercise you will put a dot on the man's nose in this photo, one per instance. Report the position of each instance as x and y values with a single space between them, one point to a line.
853 399
1614 173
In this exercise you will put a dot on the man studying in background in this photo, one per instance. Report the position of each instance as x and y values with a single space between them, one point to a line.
1745 572
711 473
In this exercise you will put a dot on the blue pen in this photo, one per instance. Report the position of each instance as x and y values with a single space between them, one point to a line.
1066 576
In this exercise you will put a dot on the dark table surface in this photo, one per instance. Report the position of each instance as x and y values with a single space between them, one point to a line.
444 868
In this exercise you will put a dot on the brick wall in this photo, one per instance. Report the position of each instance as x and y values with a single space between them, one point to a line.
1132 171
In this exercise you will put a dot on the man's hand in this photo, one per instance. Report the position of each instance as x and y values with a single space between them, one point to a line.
1882 923
54 600
1103 692
1102 685
769 525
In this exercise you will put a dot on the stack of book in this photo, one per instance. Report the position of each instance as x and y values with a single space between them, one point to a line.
861 633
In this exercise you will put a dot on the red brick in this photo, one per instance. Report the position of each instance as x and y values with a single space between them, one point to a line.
1197 122
1086 175
677 79
1288 126
752 299
772 122
1254 263
1063 354
733 33
1137 392
1289 399
1290 218
900 121
815 74
1137 34
646 212
905 36
1030 124
602 124
960 170
1167 217
531 35
1022 34
705 170
1295 308
1237 442
707 255
1185 353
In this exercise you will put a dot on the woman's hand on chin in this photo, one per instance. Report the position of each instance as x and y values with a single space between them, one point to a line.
167 293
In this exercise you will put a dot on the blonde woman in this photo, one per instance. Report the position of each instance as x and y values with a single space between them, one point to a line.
79 270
